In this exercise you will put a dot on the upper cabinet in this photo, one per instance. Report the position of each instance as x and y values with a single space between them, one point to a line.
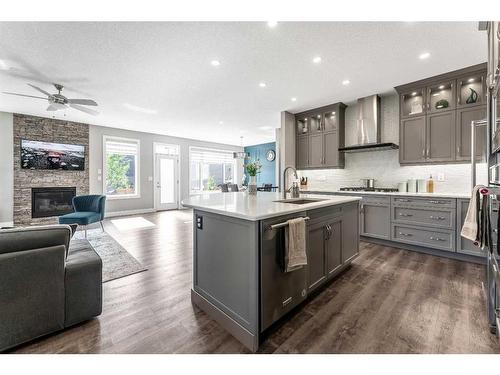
435 115
320 133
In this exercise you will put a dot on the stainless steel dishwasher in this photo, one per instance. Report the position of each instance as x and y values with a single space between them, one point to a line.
280 291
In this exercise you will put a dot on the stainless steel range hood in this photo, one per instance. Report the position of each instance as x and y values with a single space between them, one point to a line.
368 127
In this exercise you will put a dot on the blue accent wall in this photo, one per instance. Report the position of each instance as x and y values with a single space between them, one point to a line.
268 170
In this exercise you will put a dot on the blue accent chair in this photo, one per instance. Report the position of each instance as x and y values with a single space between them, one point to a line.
88 209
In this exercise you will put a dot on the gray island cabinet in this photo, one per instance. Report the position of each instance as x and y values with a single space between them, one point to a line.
237 250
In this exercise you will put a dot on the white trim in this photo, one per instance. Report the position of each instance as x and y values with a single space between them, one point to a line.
137 168
129 212
7 224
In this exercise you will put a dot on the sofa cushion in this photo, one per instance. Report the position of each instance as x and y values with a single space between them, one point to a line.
80 217
83 283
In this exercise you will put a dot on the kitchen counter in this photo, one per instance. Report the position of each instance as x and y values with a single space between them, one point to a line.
238 246
261 206
424 195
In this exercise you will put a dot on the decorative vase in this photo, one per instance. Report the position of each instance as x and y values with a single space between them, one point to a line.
443 103
252 185
472 97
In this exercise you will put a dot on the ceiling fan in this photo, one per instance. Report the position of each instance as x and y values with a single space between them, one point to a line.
59 101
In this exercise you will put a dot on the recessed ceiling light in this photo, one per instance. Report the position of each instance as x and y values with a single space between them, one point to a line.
265 127
262 84
441 87
293 99
345 82
436 94
215 62
221 122
3 65
140 109
272 24
470 80
413 93
333 113
317 60
424 56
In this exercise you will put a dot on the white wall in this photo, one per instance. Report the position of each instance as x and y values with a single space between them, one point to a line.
6 168
384 165
146 199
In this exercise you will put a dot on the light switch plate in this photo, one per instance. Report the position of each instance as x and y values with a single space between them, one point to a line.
322 178
99 171
440 176
150 178
99 178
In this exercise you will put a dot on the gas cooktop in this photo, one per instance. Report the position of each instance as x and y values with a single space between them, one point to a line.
376 189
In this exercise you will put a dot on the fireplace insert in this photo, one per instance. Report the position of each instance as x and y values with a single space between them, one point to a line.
51 201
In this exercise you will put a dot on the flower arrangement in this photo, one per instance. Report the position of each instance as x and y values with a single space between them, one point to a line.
253 168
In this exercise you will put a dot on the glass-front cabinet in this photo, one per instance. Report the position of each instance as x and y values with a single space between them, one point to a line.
441 97
316 124
330 121
471 90
413 103
302 126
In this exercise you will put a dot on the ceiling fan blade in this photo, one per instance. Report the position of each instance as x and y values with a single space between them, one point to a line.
39 89
84 109
82 101
28 96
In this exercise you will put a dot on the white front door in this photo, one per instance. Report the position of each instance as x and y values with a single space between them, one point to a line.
166 182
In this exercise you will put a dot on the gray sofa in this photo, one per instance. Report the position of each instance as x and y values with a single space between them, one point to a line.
46 284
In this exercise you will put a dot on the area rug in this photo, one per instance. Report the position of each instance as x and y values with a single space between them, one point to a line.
116 261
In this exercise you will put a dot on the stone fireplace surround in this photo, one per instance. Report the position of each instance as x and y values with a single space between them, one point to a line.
48 130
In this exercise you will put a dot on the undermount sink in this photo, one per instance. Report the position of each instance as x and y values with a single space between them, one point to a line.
300 200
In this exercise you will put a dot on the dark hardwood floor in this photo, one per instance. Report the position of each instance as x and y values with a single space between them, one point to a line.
388 301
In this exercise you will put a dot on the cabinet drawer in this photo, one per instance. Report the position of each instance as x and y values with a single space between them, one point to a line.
376 200
417 201
437 239
444 218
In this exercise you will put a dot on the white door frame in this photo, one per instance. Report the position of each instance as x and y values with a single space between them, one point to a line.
156 181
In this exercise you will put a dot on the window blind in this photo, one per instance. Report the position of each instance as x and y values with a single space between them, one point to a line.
204 155
121 147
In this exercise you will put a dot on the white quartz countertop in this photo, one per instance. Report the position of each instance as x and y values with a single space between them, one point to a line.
424 195
260 206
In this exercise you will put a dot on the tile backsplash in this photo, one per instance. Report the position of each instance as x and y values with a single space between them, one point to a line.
384 165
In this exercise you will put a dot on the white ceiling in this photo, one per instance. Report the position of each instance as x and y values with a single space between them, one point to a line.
166 67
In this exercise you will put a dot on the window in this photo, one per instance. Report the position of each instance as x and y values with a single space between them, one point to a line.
121 167
165 149
210 168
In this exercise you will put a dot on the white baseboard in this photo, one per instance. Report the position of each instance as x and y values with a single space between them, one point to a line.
129 212
7 224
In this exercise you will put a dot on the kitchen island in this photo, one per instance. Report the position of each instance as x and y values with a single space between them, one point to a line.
237 279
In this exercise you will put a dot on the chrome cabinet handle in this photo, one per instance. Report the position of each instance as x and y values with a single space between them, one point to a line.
404 200
437 202
437 217
405 215
287 301
436 238
423 152
405 234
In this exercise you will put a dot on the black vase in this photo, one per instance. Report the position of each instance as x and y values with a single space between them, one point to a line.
472 97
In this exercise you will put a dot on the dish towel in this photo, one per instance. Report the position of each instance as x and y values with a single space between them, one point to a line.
295 244
471 228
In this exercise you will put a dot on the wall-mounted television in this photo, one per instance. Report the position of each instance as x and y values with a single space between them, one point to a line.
47 155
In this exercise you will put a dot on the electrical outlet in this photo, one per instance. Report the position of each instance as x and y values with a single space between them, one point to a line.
322 178
99 178
440 176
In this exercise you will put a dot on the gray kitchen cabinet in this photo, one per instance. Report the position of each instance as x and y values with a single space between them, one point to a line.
412 140
333 247
376 217
331 156
463 132
316 254
350 232
439 104
464 245
315 150
440 239
440 137
302 152
320 133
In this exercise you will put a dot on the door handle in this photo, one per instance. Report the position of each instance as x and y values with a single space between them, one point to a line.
287 301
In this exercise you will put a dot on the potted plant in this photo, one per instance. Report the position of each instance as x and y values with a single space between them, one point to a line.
252 169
